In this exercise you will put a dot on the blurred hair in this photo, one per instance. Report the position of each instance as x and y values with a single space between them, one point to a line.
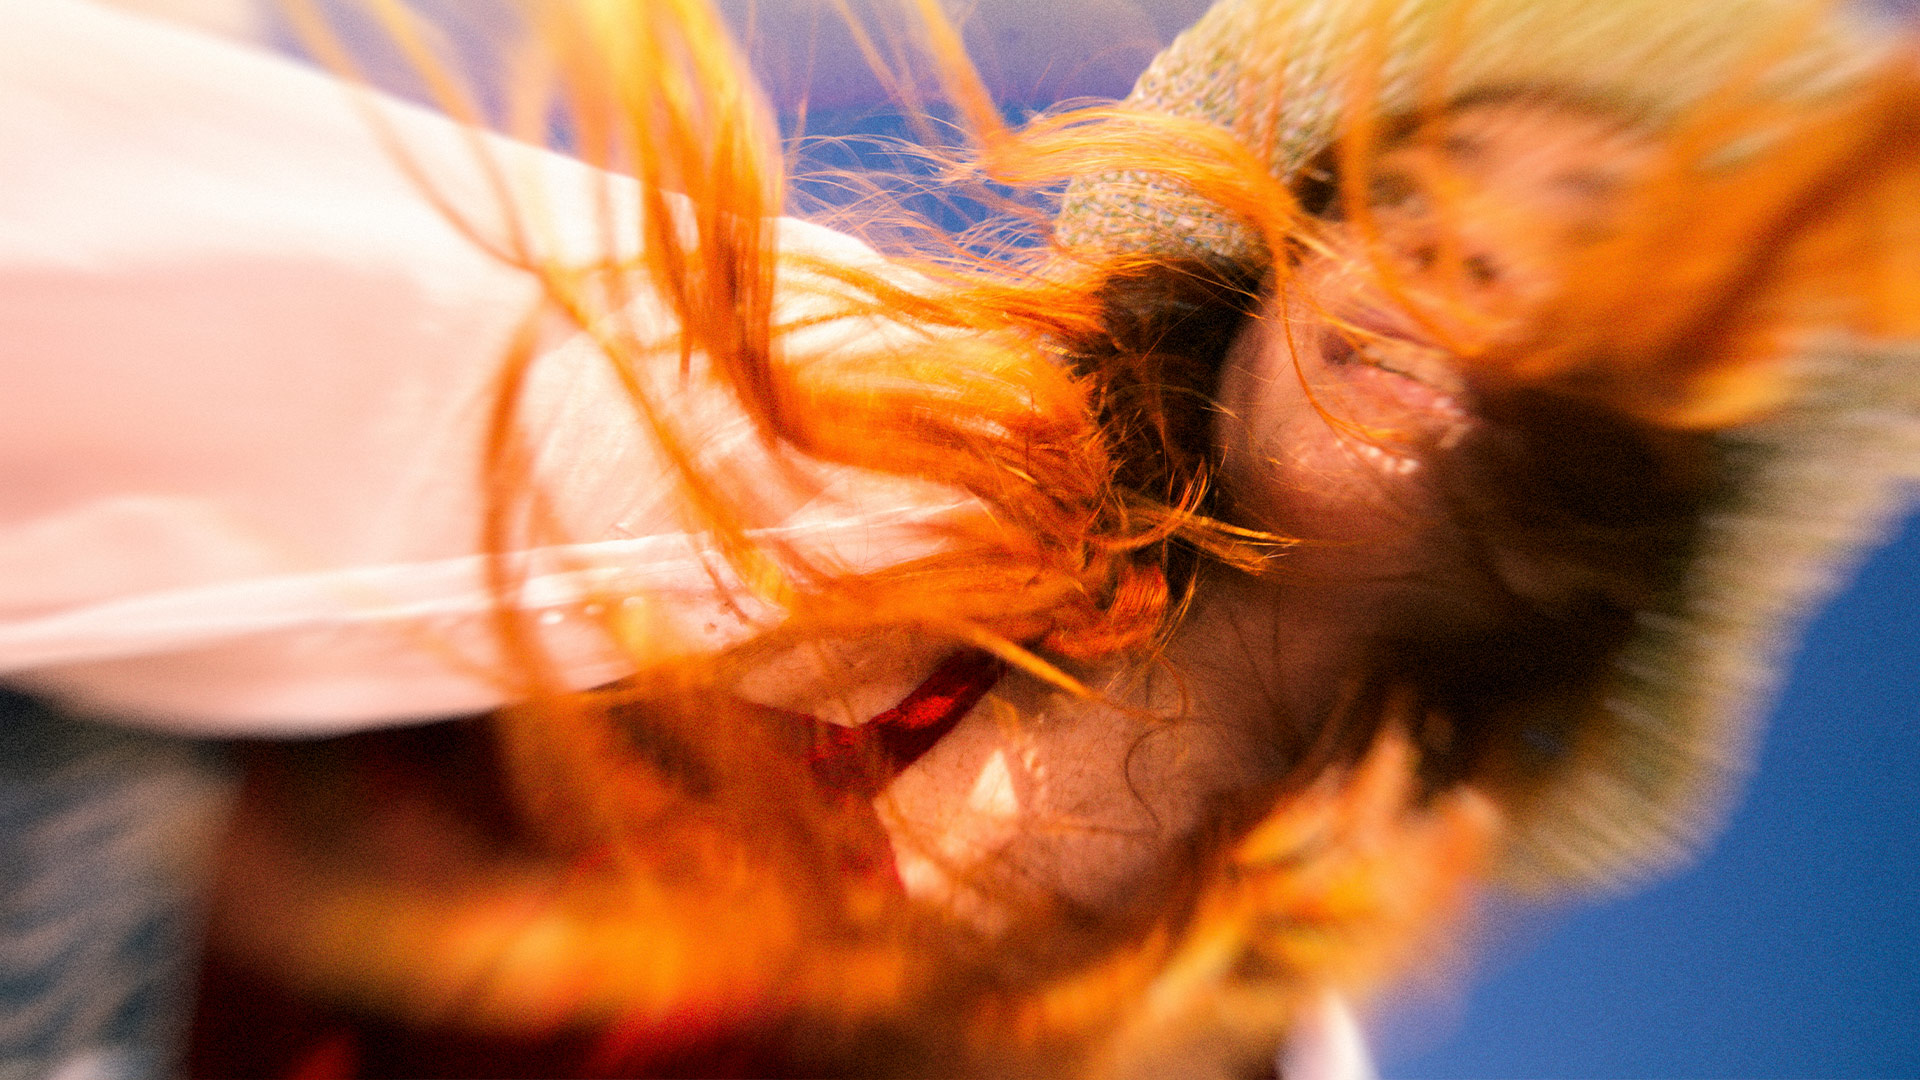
666 837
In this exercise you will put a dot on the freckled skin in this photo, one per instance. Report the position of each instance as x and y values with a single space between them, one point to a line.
1098 792
1352 369
1329 403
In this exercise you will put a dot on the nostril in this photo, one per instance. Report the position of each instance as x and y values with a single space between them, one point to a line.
1480 270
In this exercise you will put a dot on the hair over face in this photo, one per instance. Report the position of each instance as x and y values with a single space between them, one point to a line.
624 861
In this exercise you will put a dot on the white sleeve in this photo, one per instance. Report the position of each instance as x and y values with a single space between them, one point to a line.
246 369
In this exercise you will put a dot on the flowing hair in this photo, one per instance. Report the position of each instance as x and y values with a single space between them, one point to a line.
665 859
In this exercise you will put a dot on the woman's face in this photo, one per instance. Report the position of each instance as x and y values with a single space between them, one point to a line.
1334 400
1332 404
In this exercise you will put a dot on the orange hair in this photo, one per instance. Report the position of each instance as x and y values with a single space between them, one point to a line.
712 877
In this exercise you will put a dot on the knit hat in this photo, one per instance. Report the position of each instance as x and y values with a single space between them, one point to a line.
1806 489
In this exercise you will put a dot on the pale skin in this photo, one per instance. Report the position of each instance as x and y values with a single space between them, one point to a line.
1331 404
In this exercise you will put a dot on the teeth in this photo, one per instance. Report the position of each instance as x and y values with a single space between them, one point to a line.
1386 460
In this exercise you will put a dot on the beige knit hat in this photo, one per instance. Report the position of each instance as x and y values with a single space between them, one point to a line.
1807 489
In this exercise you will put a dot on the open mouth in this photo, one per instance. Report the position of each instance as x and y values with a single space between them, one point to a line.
1396 367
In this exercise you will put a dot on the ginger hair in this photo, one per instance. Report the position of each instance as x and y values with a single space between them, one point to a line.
1067 391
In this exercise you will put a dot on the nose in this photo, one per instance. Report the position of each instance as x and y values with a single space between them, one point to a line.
1458 255
1488 256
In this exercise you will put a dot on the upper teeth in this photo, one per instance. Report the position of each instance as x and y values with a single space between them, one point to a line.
1397 464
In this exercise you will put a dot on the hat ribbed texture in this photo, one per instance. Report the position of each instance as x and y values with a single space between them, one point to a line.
1807 491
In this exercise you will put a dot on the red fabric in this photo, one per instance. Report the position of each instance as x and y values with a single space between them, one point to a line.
247 1027
862 760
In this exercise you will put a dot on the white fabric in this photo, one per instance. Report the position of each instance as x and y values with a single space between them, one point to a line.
247 369
245 20
1327 1044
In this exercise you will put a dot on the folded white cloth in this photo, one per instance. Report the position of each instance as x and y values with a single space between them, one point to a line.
247 372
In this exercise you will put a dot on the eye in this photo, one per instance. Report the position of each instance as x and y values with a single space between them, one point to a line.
1391 190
